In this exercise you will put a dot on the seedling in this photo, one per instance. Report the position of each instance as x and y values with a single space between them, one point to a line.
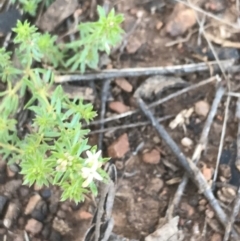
55 150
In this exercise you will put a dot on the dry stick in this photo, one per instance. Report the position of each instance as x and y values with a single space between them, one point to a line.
104 98
193 172
236 206
235 26
158 102
201 146
134 125
135 72
221 141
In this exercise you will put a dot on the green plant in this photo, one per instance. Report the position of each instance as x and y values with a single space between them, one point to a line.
55 150
95 37
31 6
52 151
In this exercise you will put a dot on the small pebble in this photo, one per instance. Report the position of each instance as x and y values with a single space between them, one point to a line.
181 19
32 203
124 85
118 107
207 172
152 157
119 147
187 209
12 186
187 142
46 193
202 108
24 191
33 226
61 214
216 237
83 215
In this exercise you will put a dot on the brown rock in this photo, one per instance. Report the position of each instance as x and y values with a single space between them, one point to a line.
10 173
118 107
152 157
187 142
209 213
32 203
11 214
187 209
84 215
124 84
216 237
33 226
119 147
207 172
134 43
202 108
181 19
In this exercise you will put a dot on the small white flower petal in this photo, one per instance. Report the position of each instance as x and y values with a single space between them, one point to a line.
98 154
86 172
87 181
89 154
97 176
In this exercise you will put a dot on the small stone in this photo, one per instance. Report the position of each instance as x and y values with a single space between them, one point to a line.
24 191
83 215
118 107
215 5
207 172
10 173
119 147
33 226
14 168
40 211
12 186
159 25
209 213
181 19
61 214
133 44
46 193
202 108
187 209
3 202
187 142
155 186
152 157
32 203
11 214
216 237
61 226
36 187
124 85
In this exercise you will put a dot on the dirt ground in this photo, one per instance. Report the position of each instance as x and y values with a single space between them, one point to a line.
158 33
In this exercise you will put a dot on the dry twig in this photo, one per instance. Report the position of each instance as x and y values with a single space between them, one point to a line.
236 206
235 26
191 169
201 146
158 102
147 71
104 98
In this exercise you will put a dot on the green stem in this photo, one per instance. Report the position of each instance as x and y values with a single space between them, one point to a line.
11 148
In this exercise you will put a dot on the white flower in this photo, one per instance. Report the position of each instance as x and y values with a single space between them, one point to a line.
89 173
